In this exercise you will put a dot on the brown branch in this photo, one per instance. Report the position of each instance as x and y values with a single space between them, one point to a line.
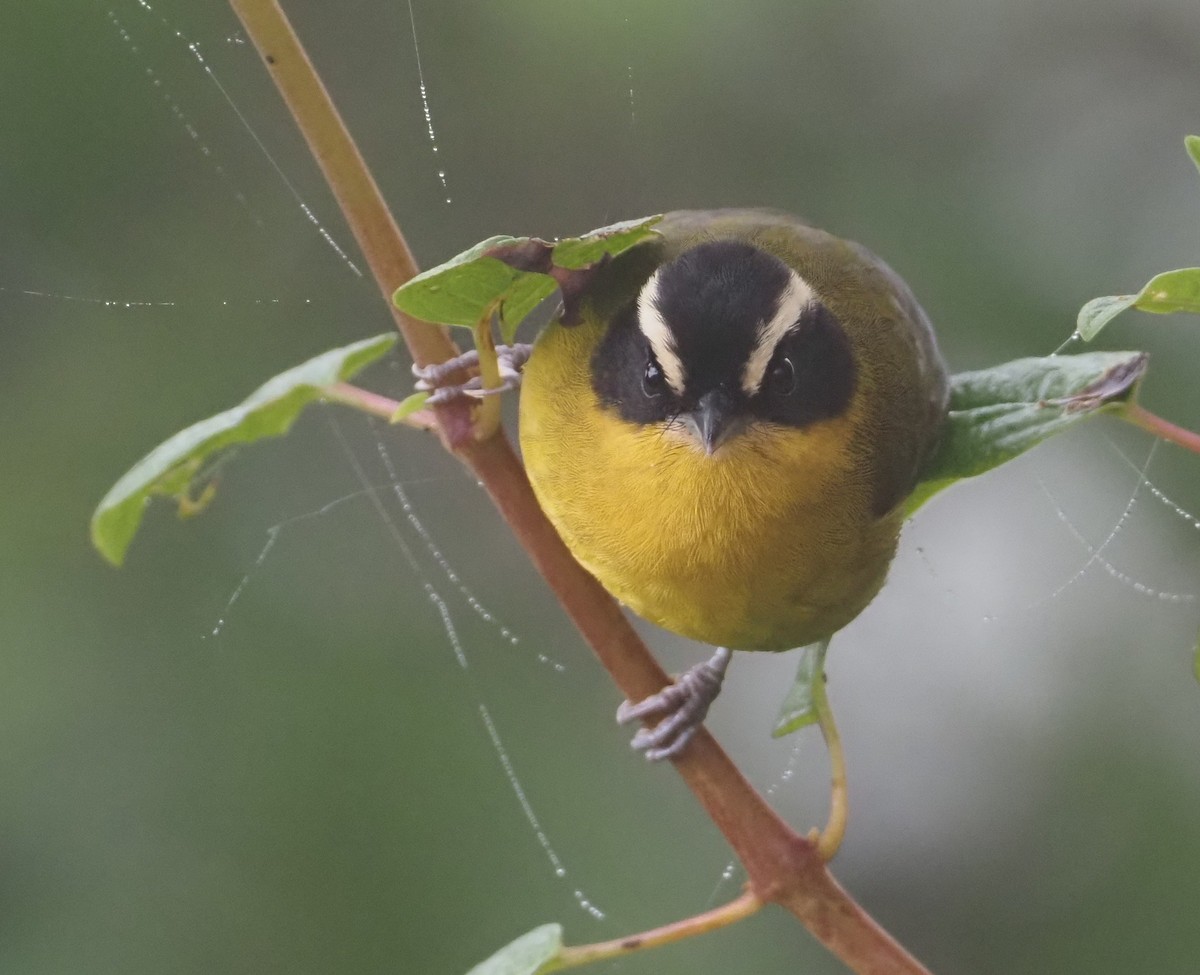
782 866
357 193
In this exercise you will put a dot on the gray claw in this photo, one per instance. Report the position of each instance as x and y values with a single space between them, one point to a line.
670 698
431 379
675 748
682 707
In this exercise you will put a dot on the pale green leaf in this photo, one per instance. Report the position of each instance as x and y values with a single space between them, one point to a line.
1171 291
799 707
1099 312
408 406
1192 144
526 955
178 467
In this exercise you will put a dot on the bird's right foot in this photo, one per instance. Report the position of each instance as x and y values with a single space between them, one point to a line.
682 707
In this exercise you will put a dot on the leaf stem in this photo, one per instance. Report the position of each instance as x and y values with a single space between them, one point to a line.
347 394
736 910
835 828
487 420
1139 416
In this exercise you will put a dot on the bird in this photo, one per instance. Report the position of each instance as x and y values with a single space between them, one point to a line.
724 434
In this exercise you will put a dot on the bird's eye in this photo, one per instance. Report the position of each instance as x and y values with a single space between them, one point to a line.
654 380
781 377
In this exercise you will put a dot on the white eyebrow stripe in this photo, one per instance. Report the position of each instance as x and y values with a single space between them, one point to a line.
795 296
662 342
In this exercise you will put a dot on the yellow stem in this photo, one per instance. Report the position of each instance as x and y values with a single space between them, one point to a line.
487 421
831 836
734 911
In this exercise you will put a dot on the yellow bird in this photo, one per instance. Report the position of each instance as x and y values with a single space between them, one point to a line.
725 434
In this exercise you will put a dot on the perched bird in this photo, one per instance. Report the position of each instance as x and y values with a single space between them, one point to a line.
726 436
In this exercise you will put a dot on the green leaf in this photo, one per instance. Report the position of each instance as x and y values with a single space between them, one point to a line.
460 291
182 466
526 293
1192 144
1196 659
514 275
526 955
408 406
574 253
1171 291
1099 312
998 413
799 707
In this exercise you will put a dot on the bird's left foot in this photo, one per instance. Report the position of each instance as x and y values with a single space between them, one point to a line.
681 707
431 379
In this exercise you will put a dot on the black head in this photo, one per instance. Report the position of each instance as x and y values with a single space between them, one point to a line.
723 336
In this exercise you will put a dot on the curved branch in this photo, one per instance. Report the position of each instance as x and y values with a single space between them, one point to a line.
782 866
1139 416
736 910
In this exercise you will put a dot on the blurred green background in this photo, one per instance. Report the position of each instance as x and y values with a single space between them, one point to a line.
253 748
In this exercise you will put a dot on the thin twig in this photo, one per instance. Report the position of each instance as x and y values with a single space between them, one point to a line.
383 407
1139 416
487 419
720 917
835 828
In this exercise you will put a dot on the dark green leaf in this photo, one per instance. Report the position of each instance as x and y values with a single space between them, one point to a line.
799 707
1171 291
514 275
526 955
996 414
178 467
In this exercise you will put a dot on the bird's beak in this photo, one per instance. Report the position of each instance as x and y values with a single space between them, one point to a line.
714 420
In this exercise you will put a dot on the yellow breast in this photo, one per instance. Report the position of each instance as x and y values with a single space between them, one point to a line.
767 544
